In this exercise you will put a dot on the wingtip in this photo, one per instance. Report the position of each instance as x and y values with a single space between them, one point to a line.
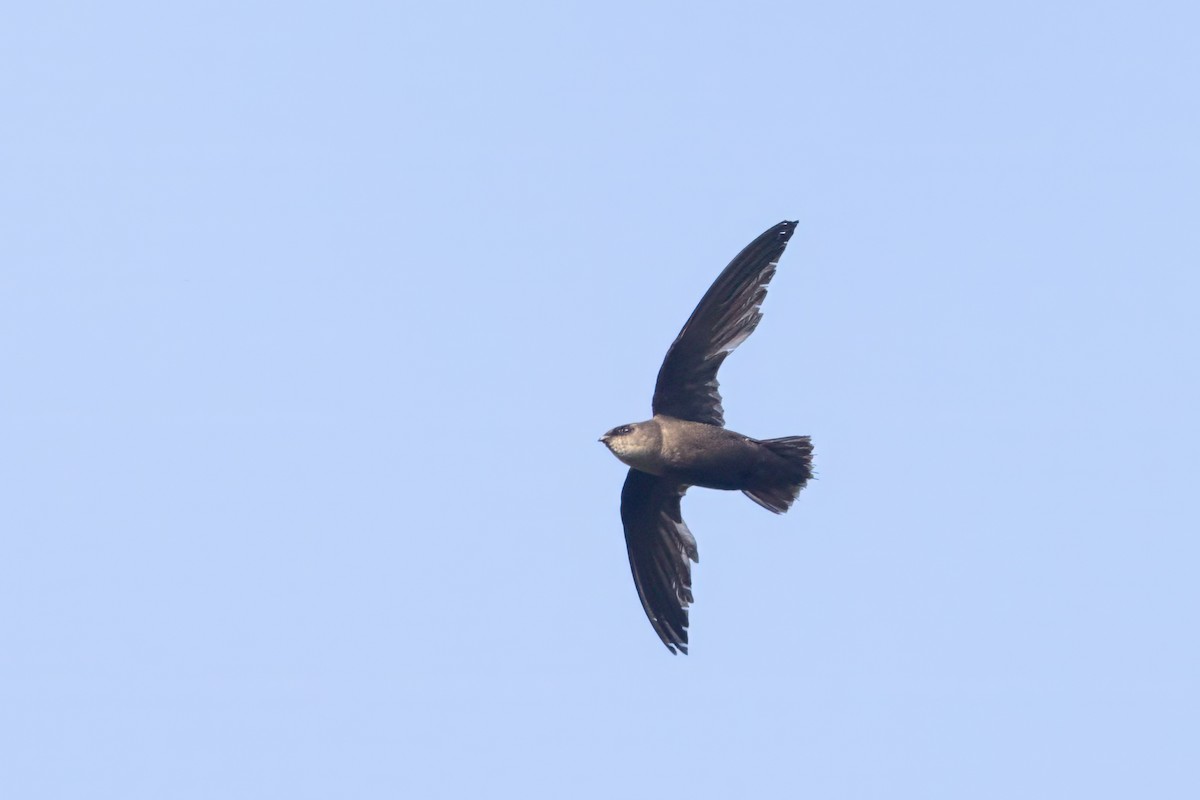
677 648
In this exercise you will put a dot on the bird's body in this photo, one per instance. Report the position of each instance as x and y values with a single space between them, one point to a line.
696 454
686 443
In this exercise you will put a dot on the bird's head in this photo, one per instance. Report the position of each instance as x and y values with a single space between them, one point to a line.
618 432
634 443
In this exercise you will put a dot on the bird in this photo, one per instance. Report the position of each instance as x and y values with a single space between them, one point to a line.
685 443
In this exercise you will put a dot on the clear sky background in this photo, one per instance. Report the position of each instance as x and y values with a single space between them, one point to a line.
311 314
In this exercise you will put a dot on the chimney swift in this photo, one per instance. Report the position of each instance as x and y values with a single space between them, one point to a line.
687 444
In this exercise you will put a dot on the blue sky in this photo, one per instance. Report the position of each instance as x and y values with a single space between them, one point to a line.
310 316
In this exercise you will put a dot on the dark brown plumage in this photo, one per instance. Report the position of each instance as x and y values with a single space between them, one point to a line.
686 444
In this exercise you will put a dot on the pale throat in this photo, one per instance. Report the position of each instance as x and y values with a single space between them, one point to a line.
640 456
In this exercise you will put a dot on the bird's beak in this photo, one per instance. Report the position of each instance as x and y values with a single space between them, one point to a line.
603 439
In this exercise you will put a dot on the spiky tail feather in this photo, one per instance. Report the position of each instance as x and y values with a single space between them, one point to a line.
779 494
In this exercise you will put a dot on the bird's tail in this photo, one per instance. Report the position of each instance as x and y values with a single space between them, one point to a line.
780 488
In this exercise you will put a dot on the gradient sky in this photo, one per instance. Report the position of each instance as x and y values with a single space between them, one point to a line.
311 314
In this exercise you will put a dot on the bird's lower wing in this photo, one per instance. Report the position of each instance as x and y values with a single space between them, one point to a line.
660 551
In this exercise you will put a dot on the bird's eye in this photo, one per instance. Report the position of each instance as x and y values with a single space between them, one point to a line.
621 431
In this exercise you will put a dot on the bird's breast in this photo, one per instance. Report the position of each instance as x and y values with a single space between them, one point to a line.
705 455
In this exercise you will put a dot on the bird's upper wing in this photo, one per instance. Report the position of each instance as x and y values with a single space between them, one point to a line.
726 315
659 545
